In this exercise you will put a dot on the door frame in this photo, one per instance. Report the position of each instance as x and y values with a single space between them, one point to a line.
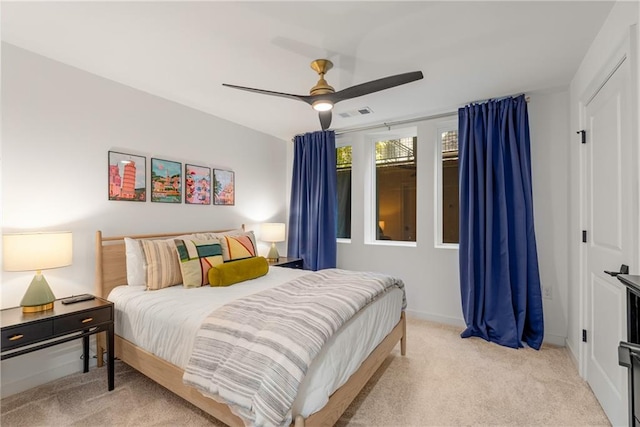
627 50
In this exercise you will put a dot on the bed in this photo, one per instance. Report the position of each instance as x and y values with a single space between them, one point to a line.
168 370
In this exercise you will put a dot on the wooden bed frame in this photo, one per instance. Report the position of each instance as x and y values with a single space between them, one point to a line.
111 272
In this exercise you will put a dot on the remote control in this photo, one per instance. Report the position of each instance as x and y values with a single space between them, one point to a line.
78 298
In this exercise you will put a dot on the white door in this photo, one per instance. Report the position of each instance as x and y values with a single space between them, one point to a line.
608 212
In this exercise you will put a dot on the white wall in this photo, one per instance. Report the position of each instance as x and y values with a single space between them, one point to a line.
610 38
431 273
58 124
548 119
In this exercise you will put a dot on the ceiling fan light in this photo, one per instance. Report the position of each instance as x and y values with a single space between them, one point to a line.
322 105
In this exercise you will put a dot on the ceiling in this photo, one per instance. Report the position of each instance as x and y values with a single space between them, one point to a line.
184 51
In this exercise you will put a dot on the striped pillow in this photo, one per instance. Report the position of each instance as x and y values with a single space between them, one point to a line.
161 264
196 258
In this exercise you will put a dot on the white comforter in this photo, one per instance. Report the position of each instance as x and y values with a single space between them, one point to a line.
165 323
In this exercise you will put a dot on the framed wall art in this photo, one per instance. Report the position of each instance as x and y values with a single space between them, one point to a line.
127 177
224 187
166 181
197 185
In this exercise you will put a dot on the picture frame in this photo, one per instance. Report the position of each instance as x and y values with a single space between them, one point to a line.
166 181
224 187
197 185
127 177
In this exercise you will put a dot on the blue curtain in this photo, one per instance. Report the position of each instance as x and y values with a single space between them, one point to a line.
313 211
499 278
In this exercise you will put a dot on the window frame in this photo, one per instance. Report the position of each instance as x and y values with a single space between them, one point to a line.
370 222
347 142
438 204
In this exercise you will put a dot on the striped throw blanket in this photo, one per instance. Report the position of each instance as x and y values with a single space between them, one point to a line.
253 353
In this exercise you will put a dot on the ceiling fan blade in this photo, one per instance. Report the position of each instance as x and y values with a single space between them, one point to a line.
325 119
376 86
303 98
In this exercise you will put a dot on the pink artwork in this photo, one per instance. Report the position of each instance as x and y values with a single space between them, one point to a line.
197 185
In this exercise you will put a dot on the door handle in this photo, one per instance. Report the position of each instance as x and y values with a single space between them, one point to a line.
624 269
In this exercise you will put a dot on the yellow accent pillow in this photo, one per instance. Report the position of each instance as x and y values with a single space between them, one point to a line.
238 271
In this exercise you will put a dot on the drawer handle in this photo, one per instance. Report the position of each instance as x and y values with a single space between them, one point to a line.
87 320
16 337
93 329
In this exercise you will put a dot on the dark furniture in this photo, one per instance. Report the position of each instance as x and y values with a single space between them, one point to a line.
629 351
26 332
288 262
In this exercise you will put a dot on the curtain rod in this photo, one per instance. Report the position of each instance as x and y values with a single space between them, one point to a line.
417 119
396 123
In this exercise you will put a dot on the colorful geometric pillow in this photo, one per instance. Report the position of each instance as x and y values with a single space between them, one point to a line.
161 264
235 247
221 236
196 258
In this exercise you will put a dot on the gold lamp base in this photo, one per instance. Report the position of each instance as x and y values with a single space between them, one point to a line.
38 297
37 308
273 255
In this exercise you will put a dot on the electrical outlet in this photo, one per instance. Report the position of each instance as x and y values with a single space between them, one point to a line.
546 292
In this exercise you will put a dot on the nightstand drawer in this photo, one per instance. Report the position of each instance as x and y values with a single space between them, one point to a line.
80 321
18 336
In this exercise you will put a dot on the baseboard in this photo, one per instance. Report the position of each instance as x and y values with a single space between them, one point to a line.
557 340
573 356
30 370
453 321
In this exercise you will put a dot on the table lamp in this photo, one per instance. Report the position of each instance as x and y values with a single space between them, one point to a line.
37 251
272 232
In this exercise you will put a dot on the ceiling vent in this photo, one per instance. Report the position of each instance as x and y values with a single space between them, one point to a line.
359 112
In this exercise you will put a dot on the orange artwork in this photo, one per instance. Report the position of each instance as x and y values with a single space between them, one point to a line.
224 190
127 177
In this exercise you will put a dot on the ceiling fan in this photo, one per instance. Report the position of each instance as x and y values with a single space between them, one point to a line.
322 97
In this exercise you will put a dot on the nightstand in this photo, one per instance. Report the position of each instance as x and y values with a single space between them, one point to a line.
288 262
23 333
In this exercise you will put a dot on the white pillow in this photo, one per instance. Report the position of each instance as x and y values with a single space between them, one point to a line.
136 276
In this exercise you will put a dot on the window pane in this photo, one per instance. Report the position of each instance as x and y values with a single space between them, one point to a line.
343 166
396 189
450 198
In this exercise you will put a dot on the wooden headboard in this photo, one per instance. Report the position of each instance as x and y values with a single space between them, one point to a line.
111 262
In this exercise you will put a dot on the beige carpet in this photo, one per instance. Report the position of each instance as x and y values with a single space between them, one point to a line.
442 381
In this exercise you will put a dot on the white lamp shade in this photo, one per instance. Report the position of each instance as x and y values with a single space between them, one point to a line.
37 251
272 232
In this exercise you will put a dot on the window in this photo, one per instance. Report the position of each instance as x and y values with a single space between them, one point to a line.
395 191
449 200
343 168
